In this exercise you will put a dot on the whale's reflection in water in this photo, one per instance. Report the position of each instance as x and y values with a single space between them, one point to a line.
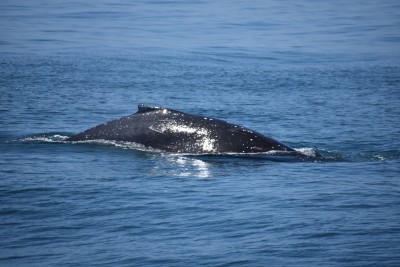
182 166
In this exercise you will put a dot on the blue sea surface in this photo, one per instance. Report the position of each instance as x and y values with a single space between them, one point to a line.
322 77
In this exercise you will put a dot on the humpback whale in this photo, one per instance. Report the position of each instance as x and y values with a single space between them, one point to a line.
169 130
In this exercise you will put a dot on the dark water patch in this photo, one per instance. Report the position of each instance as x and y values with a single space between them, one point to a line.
32 190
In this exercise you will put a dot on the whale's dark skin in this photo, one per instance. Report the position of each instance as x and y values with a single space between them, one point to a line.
169 130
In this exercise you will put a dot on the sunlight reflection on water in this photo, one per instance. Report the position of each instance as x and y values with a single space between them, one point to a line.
182 166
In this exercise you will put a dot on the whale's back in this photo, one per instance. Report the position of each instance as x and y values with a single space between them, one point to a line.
174 131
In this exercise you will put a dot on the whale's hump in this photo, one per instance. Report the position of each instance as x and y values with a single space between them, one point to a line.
174 131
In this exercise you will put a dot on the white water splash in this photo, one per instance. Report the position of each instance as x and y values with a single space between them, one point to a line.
308 151
56 138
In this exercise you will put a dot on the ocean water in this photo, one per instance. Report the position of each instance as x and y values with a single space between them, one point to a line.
322 77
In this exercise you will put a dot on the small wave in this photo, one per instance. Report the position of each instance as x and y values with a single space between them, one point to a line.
357 156
382 156
48 138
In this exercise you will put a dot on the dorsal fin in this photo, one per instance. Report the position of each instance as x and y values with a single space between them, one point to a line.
143 109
